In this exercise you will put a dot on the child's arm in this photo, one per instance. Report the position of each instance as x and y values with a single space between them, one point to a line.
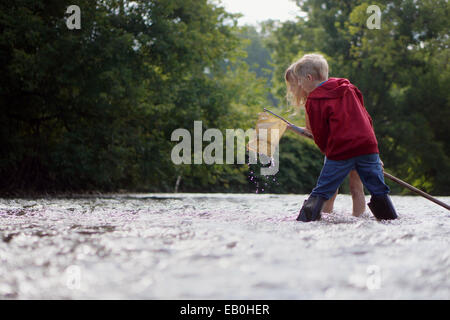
300 130
317 118
307 130
361 99
308 125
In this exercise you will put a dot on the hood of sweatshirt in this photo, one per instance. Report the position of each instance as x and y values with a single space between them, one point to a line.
332 89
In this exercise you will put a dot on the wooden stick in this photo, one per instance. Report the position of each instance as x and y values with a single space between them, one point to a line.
274 114
387 175
418 191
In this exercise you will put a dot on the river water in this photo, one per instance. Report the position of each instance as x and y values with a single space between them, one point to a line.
219 246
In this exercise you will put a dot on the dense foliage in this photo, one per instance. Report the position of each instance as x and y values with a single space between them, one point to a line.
401 68
94 109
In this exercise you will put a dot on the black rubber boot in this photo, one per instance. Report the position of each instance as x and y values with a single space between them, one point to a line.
312 207
382 207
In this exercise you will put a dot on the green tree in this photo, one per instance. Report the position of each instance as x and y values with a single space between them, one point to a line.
94 108
402 70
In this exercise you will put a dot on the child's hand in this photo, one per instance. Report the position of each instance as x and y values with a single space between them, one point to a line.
308 131
293 128
300 130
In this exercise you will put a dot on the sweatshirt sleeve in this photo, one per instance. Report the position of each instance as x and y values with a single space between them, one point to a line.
318 119
361 99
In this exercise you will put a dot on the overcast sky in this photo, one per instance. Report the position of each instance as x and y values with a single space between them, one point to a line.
258 10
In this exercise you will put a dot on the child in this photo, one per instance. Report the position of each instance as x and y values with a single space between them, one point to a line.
343 131
355 184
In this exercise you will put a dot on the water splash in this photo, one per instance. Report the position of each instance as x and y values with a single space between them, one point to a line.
263 182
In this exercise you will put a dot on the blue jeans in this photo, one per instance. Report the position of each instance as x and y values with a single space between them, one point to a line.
334 172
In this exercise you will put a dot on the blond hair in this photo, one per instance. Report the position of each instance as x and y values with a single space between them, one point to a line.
313 64
295 93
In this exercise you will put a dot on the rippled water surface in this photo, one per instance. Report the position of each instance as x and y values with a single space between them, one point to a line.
218 246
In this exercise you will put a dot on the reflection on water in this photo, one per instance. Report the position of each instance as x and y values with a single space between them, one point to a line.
219 246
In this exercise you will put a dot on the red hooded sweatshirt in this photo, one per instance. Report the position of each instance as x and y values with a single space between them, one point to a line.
341 126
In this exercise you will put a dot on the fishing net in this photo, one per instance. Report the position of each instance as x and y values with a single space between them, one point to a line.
269 131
